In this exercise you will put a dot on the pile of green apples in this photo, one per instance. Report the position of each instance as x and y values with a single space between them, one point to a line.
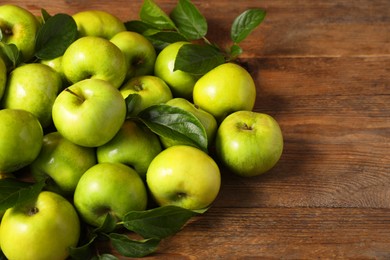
103 131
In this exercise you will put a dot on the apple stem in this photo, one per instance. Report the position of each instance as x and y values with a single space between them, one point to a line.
245 126
70 91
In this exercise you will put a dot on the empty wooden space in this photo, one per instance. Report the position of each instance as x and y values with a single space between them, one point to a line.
322 69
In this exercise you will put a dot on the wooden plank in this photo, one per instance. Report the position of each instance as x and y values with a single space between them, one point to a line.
282 233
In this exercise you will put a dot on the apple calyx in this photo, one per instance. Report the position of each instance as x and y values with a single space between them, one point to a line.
136 62
7 31
81 99
32 211
138 86
180 195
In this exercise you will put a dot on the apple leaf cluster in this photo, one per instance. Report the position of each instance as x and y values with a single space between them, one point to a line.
186 23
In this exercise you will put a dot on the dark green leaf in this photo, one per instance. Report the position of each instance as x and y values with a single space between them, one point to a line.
245 23
84 251
198 59
162 39
109 224
133 248
190 22
138 26
235 51
55 36
11 54
45 15
152 14
14 192
132 101
159 222
175 123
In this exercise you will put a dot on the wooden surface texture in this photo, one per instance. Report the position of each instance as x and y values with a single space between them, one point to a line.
322 69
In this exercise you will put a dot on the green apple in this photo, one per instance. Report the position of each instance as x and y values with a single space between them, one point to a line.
96 58
98 23
33 87
139 52
62 163
208 121
249 143
56 64
3 77
19 26
21 138
224 90
109 188
89 113
183 176
151 89
134 145
43 228
180 82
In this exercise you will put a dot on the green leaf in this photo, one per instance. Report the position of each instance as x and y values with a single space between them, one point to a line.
84 251
55 36
159 222
109 224
14 192
45 15
163 39
189 21
245 23
152 14
198 59
133 248
132 101
11 54
138 26
175 123
235 51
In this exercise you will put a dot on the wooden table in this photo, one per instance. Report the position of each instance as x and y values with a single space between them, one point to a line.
322 69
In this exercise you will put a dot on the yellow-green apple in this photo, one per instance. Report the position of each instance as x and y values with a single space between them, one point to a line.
19 26
33 87
109 188
151 89
139 52
89 113
134 145
224 90
183 176
21 138
3 77
207 120
61 163
98 23
180 82
96 58
249 143
42 228
56 64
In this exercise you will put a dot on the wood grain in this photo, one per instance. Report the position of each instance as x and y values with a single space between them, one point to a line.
322 69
